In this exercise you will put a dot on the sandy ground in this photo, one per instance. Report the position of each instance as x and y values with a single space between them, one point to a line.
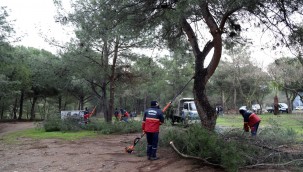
104 153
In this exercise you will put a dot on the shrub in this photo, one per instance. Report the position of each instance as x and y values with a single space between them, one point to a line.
75 124
52 124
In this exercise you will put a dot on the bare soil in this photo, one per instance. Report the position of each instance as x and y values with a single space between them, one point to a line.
104 153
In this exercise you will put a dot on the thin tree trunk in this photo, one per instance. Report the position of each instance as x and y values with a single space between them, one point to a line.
112 82
21 105
104 103
81 102
289 110
15 109
2 110
60 103
32 115
276 105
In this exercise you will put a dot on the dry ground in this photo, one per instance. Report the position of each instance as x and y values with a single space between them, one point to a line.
104 153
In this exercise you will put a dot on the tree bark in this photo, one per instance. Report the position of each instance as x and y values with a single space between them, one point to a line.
15 109
206 111
276 105
21 105
60 103
32 115
112 83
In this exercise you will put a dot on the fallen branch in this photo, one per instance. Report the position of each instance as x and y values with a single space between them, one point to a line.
193 157
273 165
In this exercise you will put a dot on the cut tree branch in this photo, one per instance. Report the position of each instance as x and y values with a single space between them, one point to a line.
193 157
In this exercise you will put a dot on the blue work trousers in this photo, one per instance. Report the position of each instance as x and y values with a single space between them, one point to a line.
152 144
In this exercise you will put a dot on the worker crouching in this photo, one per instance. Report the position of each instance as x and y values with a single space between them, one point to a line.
251 121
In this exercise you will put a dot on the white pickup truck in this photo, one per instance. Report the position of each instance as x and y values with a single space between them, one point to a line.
77 114
185 112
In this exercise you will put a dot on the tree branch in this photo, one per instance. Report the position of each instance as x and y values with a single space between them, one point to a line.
193 157
272 165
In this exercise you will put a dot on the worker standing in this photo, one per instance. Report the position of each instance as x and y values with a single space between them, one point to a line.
152 119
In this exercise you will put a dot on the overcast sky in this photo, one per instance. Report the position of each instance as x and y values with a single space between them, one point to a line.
35 19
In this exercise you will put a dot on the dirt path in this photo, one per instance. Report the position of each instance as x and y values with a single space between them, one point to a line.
104 153
14 126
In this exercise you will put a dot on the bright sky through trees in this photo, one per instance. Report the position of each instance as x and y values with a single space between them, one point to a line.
34 20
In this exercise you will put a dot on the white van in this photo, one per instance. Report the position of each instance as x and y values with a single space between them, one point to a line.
283 107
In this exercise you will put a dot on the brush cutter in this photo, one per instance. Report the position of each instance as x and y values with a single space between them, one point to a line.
131 148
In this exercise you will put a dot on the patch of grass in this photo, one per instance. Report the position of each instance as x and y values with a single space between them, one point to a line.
41 134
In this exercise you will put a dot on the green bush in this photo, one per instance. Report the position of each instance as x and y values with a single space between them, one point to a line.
117 127
52 124
75 124
71 124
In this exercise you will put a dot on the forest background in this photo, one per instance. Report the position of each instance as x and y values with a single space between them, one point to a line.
88 71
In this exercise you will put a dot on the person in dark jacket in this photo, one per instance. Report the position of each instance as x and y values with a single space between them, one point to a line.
251 121
152 119
116 113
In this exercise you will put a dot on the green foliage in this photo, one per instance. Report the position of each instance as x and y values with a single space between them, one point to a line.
110 128
51 124
75 124
55 123
196 141
275 134
231 148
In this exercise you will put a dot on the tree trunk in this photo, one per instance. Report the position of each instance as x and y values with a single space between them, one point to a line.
289 109
112 82
21 105
15 109
81 102
276 105
2 110
206 112
104 103
32 115
202 75
60 103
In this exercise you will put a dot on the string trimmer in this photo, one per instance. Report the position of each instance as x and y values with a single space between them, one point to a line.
131 148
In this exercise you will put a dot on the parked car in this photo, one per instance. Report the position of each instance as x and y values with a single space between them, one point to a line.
256 108
299 108
270 109
283 107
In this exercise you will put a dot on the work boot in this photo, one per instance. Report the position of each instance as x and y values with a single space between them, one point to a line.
154 158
